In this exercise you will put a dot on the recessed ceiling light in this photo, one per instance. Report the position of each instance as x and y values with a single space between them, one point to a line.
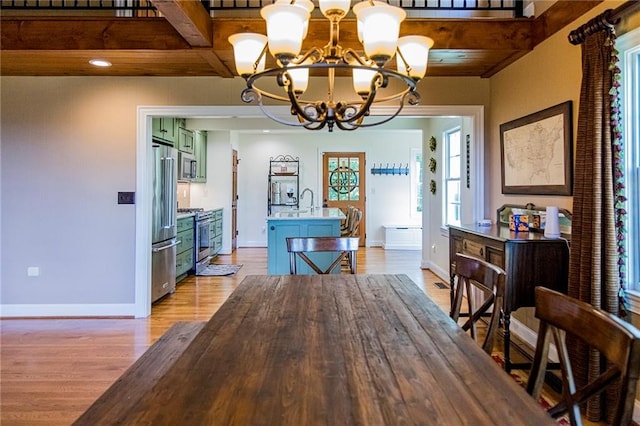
100 63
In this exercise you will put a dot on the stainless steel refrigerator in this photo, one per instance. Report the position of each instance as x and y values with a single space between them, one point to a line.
164 229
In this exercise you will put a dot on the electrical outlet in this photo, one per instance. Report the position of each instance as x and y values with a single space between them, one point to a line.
126 197
33 271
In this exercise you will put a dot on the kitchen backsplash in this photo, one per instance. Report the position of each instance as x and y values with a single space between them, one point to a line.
184 195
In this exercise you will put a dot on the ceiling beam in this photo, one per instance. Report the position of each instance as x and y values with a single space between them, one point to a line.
187 41
89 34
448 34
158 34
216 63
558 16
189 18
193 22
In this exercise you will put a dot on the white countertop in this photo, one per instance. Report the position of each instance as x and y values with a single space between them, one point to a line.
318 213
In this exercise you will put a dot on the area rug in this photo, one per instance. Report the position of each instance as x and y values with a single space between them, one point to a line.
521 378
219 270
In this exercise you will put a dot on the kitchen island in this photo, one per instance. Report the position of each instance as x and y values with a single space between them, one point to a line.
319 222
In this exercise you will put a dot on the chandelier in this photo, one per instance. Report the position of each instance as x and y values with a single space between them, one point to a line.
378 26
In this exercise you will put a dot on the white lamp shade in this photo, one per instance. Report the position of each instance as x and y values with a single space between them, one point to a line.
300 78
356 10
306 5
415 50
333 5
362 80
285 28
380 30
246 50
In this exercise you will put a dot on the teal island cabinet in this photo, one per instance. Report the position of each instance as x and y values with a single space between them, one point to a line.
320 222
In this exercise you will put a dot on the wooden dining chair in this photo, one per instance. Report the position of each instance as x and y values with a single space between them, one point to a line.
616 340
471 272
351 222
300 246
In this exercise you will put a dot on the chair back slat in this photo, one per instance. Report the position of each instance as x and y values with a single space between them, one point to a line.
346 248
352 222
473 272
616 340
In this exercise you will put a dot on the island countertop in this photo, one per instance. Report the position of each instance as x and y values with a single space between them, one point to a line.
318 213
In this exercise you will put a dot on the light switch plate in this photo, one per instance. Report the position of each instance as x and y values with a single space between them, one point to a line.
126 197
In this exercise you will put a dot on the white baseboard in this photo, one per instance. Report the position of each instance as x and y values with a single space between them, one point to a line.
401 247
441 273
530 337
252 244
68 310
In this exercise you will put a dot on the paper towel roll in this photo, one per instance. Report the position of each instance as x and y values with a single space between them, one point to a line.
552 228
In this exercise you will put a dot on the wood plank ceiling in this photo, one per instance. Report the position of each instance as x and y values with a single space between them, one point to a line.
188 42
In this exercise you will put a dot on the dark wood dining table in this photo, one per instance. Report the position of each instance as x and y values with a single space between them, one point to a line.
330 350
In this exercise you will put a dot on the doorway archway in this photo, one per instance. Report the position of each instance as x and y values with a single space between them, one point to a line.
475 113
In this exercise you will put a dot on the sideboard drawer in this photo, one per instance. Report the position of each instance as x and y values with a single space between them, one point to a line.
495 256
473 248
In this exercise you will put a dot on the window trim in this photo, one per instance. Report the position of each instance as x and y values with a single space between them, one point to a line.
417 180
445 174
629 47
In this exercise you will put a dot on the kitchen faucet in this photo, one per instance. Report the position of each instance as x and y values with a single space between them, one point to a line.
302 196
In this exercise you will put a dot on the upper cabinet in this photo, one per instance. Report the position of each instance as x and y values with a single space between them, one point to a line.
164 129
173 131
185 140
200 152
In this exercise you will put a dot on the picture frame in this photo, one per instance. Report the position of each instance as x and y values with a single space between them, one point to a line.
536 152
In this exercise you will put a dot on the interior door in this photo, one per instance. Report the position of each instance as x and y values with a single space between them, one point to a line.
234 199
343 183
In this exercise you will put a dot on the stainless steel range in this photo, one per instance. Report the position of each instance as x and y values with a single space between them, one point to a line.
202 249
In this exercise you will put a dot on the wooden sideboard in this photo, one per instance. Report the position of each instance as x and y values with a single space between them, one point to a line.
528 259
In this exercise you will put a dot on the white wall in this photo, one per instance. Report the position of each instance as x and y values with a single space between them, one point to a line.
388 197
68 147
436 240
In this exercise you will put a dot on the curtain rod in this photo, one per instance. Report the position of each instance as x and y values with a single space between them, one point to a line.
606 19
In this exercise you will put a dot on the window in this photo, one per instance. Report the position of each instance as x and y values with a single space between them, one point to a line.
451 188
416 182
629 47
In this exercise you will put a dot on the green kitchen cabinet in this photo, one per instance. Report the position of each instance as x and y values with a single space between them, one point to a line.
215 233
164 129
185 249
185 140
200 152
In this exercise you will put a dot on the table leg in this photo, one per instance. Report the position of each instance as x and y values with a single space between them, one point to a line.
451 282
507 341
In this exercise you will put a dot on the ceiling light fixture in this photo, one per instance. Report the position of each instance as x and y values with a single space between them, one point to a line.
378 32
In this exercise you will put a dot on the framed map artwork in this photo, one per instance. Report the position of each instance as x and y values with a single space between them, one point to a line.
537 154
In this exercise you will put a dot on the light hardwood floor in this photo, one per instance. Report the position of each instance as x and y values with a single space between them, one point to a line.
51 370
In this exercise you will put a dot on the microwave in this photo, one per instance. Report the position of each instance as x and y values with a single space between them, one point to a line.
186 166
